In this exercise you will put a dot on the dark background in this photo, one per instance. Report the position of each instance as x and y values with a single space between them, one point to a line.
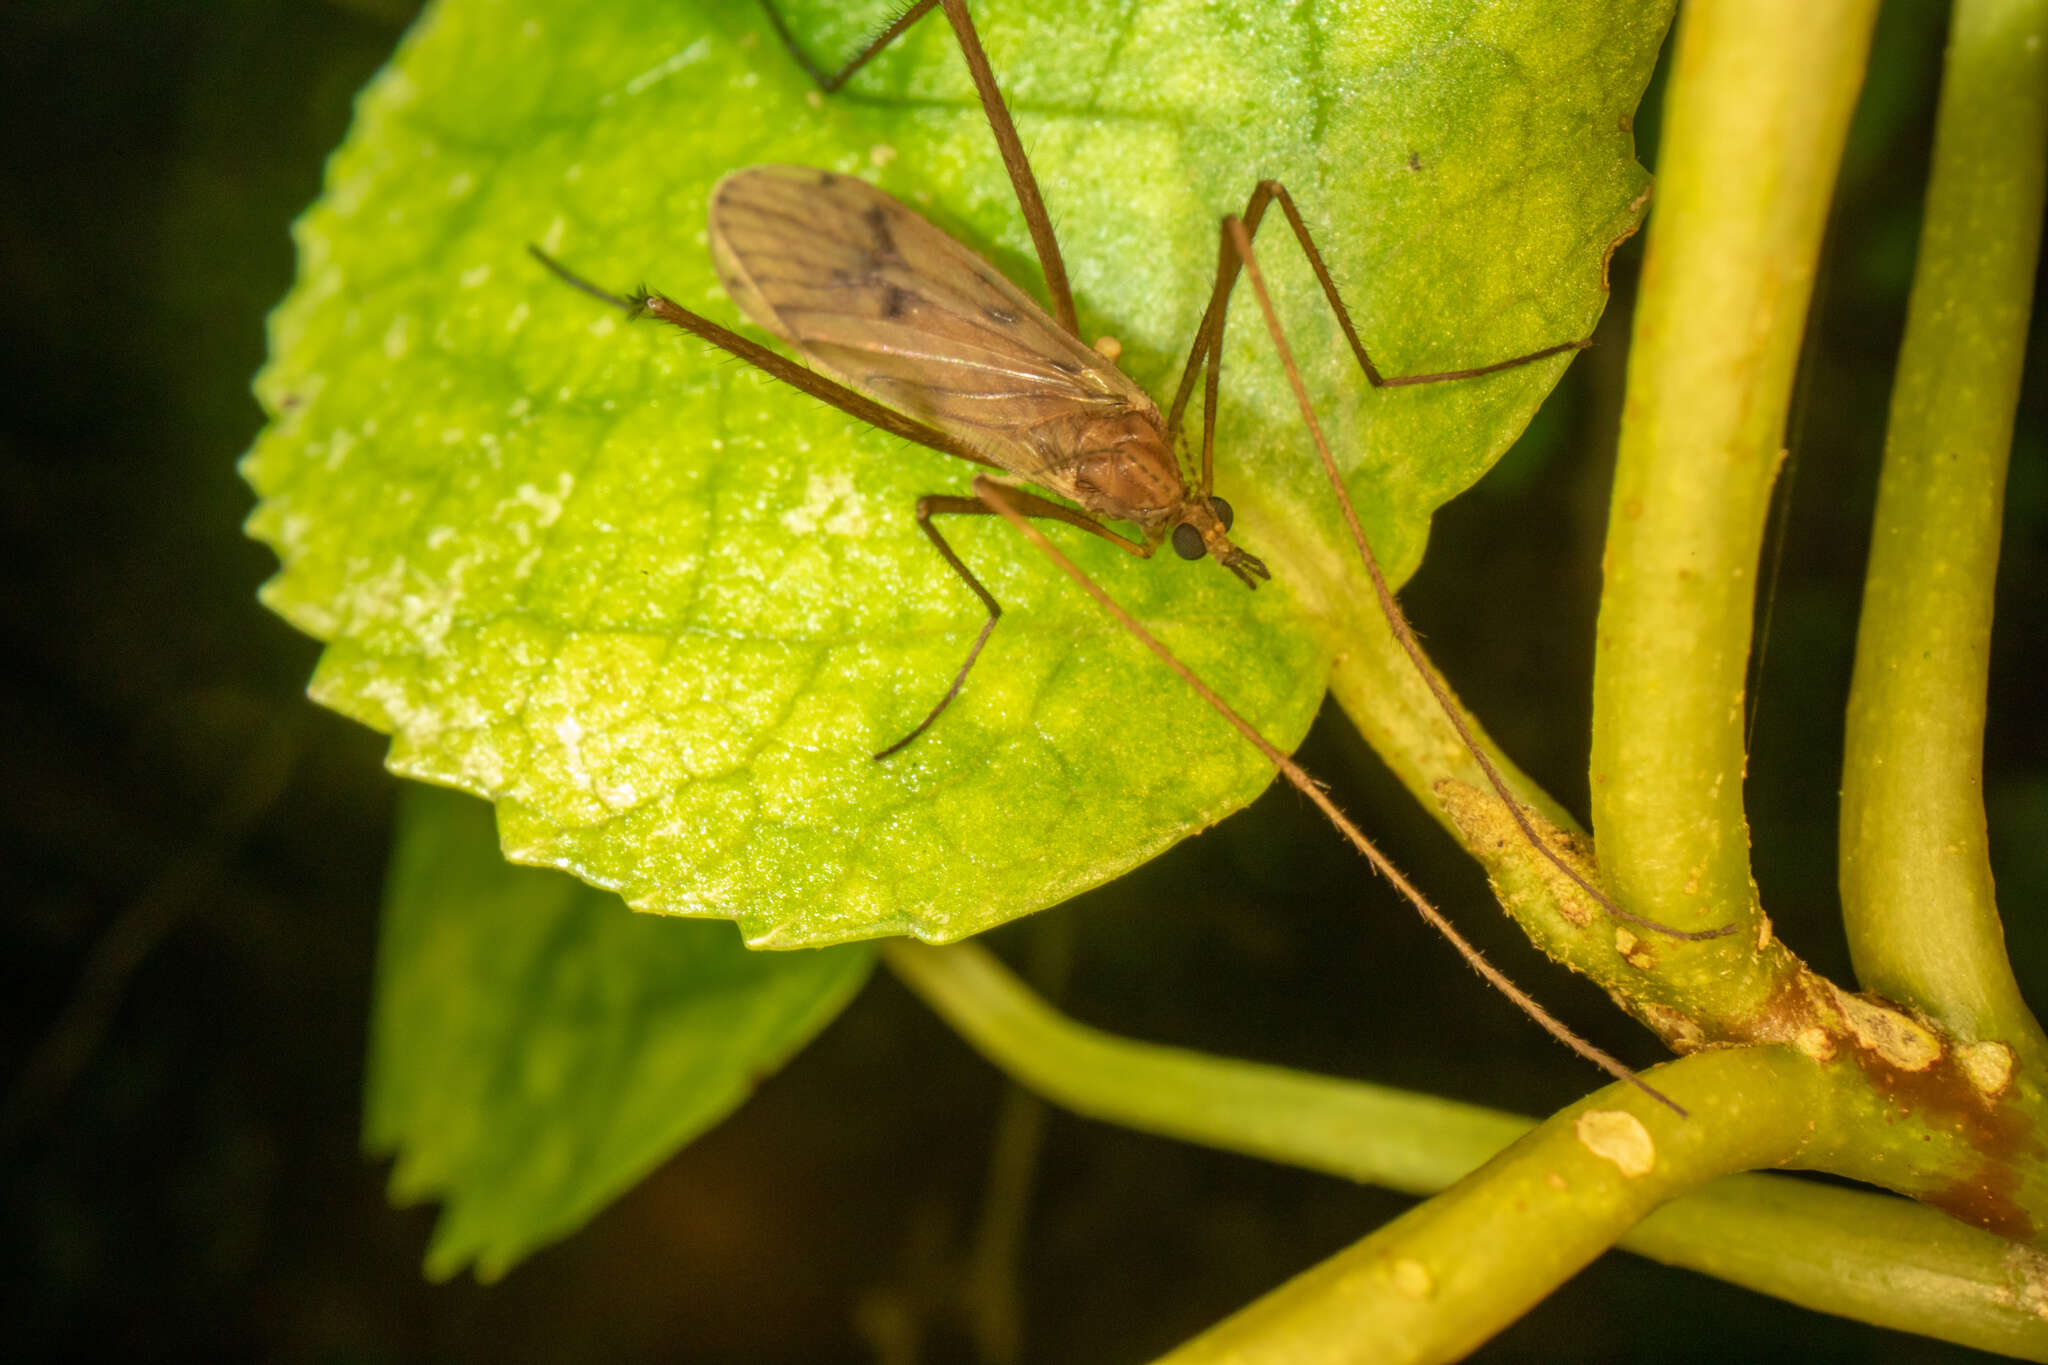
193 851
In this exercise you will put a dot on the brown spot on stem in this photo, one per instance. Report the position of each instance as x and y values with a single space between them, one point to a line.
1491 833
1678 1031
1892 1038
1986 1199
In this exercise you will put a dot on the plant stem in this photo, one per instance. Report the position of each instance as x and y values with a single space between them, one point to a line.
1759 106
1866 1256
1376 684
1440 1280
1916 870
1414 1143
1395 712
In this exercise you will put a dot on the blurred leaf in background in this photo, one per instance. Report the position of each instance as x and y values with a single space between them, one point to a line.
537 1048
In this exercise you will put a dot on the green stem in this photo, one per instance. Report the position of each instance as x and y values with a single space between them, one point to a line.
1377 686
1916 871
1375 682
1865 1256
1759 106
1444 1277
1367 1133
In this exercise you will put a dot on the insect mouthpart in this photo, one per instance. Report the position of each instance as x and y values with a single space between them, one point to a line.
1250 568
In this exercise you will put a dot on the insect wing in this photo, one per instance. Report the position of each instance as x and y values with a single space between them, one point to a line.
876 296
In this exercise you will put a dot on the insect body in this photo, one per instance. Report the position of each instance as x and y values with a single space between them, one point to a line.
912 332
870 292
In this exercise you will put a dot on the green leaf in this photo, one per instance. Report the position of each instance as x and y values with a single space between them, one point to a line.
536 1048
661 610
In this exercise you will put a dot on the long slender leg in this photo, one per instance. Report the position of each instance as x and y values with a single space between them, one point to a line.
1019 166
832 82
1010 507
1240 237
1022 181
776 366
1030 505
1207 351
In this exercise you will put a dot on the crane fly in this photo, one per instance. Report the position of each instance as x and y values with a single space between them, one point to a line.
910 331
874 296
891 308
901 326
868 290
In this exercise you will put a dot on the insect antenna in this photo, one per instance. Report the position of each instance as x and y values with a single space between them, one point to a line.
1238 236
996 496
633 306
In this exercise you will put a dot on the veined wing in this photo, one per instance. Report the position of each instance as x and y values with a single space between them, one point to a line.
877 297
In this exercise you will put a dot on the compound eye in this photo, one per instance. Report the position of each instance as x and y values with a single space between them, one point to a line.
1222 511
1187 542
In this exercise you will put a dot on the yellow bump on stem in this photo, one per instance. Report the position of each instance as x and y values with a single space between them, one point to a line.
1617 1136
1989 1066
1916 871
1412 1279
1510 1232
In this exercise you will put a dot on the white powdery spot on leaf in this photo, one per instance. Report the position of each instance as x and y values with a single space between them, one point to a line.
830 504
